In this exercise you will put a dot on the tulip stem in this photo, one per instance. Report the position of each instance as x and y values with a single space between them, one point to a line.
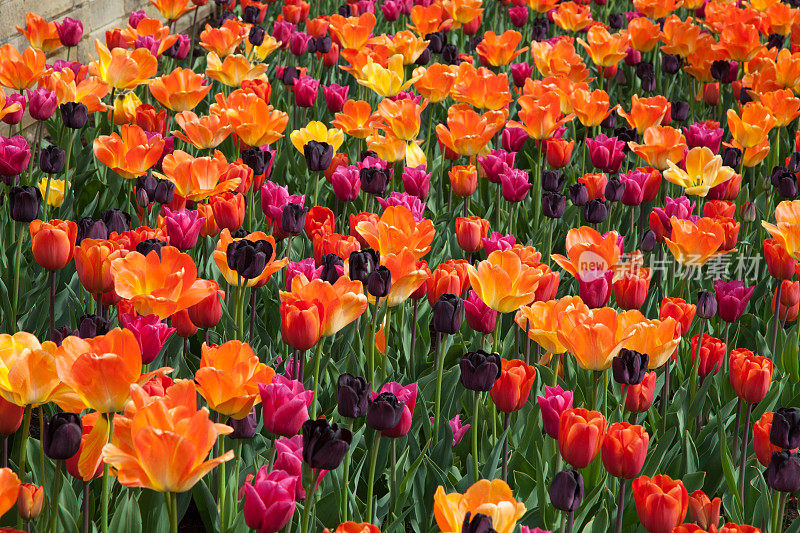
411 357
105 491
5 452
222 488
371 341
736 429
744 451
570 520
439 373
23 443
345 491
17 257
54 496
475 411
665 395
778 510
41 441
696 365
620 505
52 300
506 423
496 340
236 471
86 493
373 460
393 486
317 357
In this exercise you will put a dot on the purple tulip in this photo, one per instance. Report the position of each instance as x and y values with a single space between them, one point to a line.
552 404
70 31
269 502
183 227
480 316
732 299
15 154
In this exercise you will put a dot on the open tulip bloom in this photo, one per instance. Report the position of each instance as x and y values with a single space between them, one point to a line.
401 265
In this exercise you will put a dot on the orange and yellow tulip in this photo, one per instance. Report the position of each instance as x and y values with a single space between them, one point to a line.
656 9
102 369
591 108
680 37
93 263
396 230
255 121
643 34
740 41
462 11
180 90
352 32
123 69
481 88
162 443
594 339
751 128
504 282
386 81
657 338
41 34
221 259
228 378
662 145
694 243
53 242
173 9
559 59
129 153
541 319
20 71
9 489
782 105
435 81
540 116
197 178
234 70
703 171
355 118
498 50
90 90
408 275
588 250
572 17
202 132
468 132
402 117
645 112
605 49
159 285
340 303
491 498
223 41
430 19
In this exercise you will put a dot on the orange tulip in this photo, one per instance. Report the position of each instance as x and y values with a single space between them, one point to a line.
541 319
70 88
498 50
352 32
20 71
580 436
480 87
353 527
470 232
559 59
655 9
661 502
53 243
430 19
228 378
504 282
333 243
511 390
591 108
491 498
594 339
354 120
402 117
224 40
703 510
180 90
449 277
301 323
30 500
340 303
658 338
646 112
123 69
740 41
202 132
395 230
254 121
102 369
695 243
41 34
782 105
28 374
467 132
197 178
221 259
662 145
408 275
587 250
9 489
462 11
605 49
162 443
572 17
129 153
540 116
159 285
172 9
234 70
751 128
680 37
643 34
463 180
624 449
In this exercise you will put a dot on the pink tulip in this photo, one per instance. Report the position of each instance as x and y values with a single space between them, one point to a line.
515 184
306 267
606 153
346 183
15 117
306 90
459 429
513 139
42 103
518 16
136 17
70 31
285 405
391 10
417 181
732 299
700 134
496 241
298 43
182 227
335 96
521 71
414 204
14 155
495 163
595 287
552 404
480 316
269 502
150 332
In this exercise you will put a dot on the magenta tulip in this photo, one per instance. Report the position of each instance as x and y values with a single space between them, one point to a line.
14 155
335 96
182 227
515 184
595 287
346 183
497 241
480 316
269 502
150 332
606 153
495 163
42 103
732 299
417 181
286 405
306 90
552 404
701 134
70 31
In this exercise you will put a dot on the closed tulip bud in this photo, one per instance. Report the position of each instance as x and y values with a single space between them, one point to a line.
624 450
783 472
164 192
477 523
732 157
301 324
416 181
480 316
514 184
207 312
617 21
15 117
62 436
293 219
90 326
513 139
558 152
554 402
436 41
724 71
780 264
463 180
116 221
595 211
470 232
306 90
595 289
151 245
706 304
552 180
614 190
150 332
680 110
318 155
74 115
579 194
379 282
362 263
732 298
630 289
332 268
51 160
580 434
629 367
566 490
711 354
10 417
244 428
184 327
639 398
750 375
787 188
447 314
449 54
554 204
248 258
53 243
609 122
335 96
648 241
269 502
24 203
29 501
606 153
353 398
521 72
70 31
480 370
785 431
147 185
511 390
42 103
633 57
256 35
671 64
384 411
324 444
703 510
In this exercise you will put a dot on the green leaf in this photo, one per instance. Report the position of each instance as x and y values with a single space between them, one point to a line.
126 518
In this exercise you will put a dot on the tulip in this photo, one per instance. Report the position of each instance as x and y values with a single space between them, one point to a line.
62 436
416 181
558 152
492 498
384 411
480 370
183 324
761 441
244 428
353 396
346 183
324 444
286 405
780 264
182 227
785 430
269 502
458 429
554 402
51 161
480 316
335 96
678 309
732 298
661 502
408 396
629 367
580 435
750 375
15 154
11 101
711 355
447 314
703 510
495 163
783 472
306 90
42 103
514 184
606 153
53 243
150 332
511 390
566 490
24 203
248 258
30 500
595 289
379 282
639 398
630 290
624 450
463 180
